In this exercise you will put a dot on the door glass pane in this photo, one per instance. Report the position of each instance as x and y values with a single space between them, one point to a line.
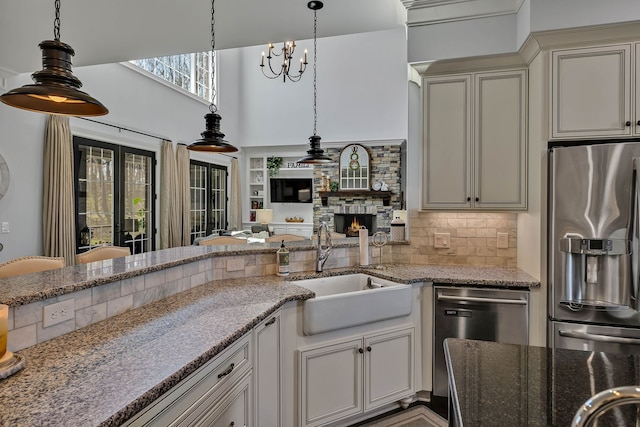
218 195
138 198
96 197
198 180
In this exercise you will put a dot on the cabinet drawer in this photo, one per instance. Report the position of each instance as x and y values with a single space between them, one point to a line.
198 392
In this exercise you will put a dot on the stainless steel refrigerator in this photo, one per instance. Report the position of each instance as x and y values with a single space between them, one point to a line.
593 247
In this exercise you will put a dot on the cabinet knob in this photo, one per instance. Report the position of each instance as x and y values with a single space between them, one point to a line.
477 199
360 351
368 348
627 123
638 123
468 199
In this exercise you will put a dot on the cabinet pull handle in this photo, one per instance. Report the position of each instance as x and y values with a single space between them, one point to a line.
468 199
360 351
477 199
627 123
227 372
368 348
270 322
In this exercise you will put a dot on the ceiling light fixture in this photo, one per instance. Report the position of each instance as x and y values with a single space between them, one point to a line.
315 155
56 89
212 140
288 48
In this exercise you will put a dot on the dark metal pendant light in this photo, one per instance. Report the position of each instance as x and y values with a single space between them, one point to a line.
315 154
212 140
56 89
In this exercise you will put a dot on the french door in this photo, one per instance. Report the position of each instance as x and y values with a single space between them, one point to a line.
114 195
208 199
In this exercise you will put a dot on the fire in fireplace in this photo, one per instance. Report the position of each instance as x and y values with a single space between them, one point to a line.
349 223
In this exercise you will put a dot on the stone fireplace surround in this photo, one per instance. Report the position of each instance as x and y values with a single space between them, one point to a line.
386 166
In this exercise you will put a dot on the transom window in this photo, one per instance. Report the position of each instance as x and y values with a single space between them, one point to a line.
189 71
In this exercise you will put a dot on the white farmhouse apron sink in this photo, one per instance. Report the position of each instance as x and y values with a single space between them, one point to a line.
352 300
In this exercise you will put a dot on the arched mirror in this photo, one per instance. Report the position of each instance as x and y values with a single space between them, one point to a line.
355 168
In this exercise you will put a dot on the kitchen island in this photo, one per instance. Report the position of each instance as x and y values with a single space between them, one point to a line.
103 373
519 385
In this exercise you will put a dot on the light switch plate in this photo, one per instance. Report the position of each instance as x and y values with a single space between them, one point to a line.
503 240
442 240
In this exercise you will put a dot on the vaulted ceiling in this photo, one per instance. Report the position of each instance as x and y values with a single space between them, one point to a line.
107 31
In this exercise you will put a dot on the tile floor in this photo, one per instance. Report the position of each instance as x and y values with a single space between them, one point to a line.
416 416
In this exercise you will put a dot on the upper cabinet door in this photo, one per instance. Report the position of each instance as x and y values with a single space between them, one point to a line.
447 142
500 140
591 92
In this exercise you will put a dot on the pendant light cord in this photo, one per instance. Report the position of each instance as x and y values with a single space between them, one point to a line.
56 22
315 60
212 107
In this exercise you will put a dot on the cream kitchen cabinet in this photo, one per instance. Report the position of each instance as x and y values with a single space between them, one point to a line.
268 371
475 141
218 391
355 375
591 92
297 228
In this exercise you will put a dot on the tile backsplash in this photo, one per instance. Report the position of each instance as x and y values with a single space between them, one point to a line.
473 238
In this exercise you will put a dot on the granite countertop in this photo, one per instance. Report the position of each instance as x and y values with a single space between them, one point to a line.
103 374
519 385
482 276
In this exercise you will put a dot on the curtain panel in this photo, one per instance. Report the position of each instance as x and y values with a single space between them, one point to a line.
170 226
235 201
59 231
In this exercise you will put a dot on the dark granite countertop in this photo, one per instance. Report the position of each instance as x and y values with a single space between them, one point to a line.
514 385
103 374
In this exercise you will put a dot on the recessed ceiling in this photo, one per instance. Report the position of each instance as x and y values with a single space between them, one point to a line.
108 31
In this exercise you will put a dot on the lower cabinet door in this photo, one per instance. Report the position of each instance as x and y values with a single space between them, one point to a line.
331 382
267 372
389 367
234 409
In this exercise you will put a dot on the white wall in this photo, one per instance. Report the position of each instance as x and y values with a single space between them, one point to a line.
554 14
361 93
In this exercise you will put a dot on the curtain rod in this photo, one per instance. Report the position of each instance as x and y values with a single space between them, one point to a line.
120 128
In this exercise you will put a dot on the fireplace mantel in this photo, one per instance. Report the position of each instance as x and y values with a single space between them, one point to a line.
384 195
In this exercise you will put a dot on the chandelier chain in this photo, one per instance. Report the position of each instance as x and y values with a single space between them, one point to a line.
212 106
56 21
315 58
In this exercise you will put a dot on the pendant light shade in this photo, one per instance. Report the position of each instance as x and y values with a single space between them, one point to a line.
56 89
212 139
315 154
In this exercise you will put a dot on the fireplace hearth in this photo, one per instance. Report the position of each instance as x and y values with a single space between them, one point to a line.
350 223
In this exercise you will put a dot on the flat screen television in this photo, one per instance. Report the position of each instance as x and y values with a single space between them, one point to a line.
291 190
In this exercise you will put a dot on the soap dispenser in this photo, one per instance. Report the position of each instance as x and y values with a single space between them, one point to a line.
282 260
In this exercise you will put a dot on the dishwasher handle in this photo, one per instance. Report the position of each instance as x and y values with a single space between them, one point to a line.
442 297
597 337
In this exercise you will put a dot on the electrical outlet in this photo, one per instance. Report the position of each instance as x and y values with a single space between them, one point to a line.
503 240
59 312
235 264
5 227
442 240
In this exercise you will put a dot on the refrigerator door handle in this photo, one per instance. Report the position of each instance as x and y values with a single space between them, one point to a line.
597 337
442 297
634 229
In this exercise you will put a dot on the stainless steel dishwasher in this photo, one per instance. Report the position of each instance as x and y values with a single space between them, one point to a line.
476 313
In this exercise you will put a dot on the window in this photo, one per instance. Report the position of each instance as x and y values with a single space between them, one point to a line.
208 199
189 71
114 196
